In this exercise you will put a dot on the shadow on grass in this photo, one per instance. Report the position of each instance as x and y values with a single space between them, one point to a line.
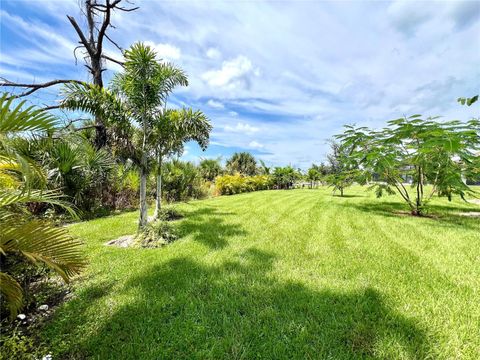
442 215
208 226
184 309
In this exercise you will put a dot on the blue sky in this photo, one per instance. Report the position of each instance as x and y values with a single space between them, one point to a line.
276 78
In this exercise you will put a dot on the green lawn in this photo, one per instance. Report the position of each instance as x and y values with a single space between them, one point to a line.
294 274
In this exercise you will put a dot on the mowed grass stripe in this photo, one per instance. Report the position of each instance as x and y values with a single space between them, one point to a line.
279 274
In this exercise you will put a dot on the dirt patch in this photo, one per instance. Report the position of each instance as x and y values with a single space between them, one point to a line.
474 201
122 241
470 214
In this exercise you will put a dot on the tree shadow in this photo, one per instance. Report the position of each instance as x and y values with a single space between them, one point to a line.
440 215
208 227
184 309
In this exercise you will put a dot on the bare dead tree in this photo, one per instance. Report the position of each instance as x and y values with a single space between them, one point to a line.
98 15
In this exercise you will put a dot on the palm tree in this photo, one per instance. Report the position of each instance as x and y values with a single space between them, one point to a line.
243 163
210 168
171 130
37 240
139 93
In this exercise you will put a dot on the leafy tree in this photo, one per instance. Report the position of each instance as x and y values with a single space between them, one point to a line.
313 175
342 170
243 163
170 131
285 177
424 150
210 168
36 240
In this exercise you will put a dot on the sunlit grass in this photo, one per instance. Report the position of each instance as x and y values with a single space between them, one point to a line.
281 274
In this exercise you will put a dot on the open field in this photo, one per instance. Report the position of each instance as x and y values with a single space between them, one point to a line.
281 274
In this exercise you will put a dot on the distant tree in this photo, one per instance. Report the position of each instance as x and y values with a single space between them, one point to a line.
313 175
243 163
424 150
342 170
210 168
285 177
263 168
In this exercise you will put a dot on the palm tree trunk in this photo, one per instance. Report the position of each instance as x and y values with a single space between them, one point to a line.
158 200
143 193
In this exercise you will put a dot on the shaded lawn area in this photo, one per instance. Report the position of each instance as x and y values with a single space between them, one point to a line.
281 274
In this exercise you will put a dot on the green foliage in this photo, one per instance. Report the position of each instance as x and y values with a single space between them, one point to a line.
243 163
236 184
343 169
425 151
35 240
468 101
181 181
210 169
285 177
156 234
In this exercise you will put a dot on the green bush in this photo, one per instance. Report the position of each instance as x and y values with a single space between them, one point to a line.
236 184
157 234
182 181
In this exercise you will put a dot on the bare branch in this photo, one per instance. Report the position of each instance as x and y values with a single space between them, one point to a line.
121 63
34 87
79 31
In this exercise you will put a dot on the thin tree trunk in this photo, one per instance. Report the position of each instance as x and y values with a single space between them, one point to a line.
158 202
143 194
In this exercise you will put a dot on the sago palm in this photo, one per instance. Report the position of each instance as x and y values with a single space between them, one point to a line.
35 239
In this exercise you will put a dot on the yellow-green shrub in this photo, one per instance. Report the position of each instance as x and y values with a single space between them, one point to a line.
236 184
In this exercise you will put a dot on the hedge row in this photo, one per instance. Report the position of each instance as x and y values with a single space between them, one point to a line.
236 184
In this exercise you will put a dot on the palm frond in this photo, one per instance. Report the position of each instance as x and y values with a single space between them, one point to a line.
12 292
21 119
40 241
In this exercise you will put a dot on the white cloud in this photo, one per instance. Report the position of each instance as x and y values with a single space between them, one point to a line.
166 52
215 104
233 113
233 73
242 128
255 145
213 53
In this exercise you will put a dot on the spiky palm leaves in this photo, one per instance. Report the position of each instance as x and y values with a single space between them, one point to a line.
170 131
37 240
138 94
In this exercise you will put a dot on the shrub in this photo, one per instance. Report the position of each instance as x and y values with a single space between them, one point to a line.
236 184
157 234
182 181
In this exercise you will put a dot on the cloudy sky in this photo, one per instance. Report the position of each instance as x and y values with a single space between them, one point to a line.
277 78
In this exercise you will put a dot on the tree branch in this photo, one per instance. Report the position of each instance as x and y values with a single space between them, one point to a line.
113 60
34 87
83 39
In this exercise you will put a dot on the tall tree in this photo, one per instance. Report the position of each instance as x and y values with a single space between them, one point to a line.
98 17
138 95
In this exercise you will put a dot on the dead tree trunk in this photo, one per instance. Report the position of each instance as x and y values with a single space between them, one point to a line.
98 15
